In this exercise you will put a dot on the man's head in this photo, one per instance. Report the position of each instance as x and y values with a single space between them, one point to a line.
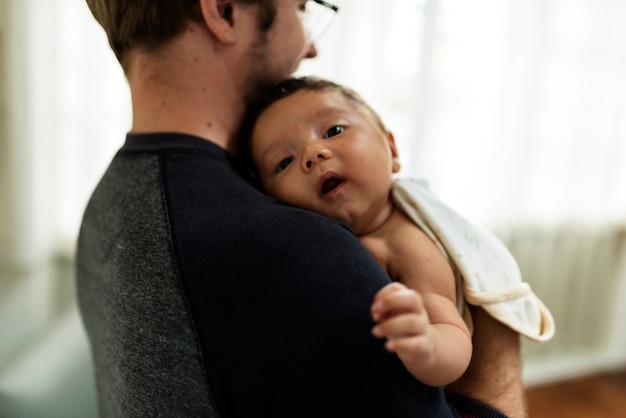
202 61
148 24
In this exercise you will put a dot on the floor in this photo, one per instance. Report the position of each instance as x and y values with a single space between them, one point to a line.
598 396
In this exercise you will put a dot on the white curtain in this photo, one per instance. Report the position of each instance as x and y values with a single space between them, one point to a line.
68 111
64 109
93 113
515 111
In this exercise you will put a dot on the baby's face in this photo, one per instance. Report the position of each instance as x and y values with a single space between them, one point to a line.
320 151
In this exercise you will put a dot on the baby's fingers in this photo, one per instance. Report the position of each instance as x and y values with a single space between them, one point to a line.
389 289
402 326
395 299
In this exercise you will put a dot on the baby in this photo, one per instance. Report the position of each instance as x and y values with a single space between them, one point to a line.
317 145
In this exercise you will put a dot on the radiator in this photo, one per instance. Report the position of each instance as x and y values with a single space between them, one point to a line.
579 271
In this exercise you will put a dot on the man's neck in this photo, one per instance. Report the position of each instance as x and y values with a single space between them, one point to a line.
175 95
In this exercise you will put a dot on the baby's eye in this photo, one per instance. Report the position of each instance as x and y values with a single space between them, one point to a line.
284 163
335 130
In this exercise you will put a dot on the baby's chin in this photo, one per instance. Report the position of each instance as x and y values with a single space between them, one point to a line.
346 219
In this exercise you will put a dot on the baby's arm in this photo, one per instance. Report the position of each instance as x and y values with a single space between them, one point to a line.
435 353
418 313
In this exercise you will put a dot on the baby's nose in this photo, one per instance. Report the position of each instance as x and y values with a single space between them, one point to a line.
314 155
309 163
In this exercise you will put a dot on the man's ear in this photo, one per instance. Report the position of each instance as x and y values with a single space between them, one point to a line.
219 18
395 167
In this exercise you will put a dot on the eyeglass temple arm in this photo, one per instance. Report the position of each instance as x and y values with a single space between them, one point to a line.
326 4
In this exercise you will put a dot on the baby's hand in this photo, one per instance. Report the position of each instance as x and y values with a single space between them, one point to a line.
402 318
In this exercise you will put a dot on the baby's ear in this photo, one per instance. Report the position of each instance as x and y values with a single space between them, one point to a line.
395 167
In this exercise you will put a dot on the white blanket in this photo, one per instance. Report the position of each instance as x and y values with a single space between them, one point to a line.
491 276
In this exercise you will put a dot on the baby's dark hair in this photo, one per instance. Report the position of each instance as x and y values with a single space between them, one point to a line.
287 88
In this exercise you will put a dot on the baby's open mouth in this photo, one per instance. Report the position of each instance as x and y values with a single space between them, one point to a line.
330 184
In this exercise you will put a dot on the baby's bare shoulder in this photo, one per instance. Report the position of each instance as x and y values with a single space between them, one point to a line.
404 250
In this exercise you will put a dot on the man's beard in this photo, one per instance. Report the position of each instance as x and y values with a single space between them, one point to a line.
258 77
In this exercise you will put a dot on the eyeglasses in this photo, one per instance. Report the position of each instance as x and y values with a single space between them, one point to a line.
317 17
